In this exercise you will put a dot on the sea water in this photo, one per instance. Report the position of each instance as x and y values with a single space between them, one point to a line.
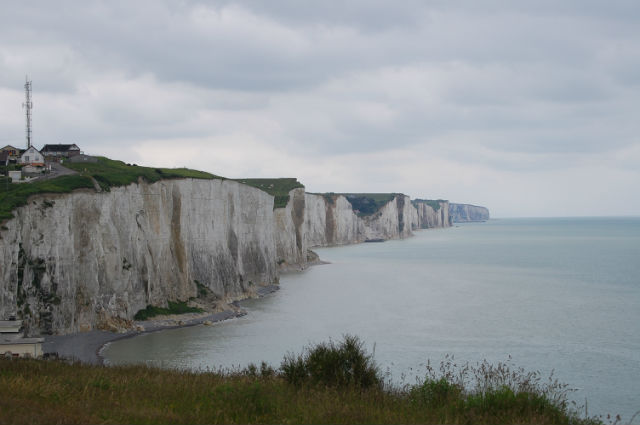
556 295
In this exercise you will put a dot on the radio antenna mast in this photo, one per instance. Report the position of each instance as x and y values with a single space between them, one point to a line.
28 106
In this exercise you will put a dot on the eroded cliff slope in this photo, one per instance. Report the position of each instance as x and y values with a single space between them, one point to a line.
330 219
68 262
432 213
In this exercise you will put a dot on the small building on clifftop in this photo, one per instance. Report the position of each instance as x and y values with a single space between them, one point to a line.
32 156
59 151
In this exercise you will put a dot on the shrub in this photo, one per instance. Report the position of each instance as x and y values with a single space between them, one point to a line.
346 364
178 307
488 390
203 291
265 371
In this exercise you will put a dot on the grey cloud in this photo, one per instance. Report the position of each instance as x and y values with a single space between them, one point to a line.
159 38
529 85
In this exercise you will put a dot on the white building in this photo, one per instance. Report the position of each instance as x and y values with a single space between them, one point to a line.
32 156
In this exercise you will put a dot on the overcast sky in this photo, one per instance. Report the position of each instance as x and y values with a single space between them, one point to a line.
530 108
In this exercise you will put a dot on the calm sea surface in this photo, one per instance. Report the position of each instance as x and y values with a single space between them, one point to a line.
557 294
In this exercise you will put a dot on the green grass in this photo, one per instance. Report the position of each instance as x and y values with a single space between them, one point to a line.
364 203
16 194
435 204
107 172
178 307
63 392
368 203
278 188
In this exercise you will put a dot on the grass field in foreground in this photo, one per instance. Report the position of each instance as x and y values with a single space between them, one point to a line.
327 383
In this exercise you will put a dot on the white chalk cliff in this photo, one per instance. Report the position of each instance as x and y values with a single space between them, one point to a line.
69 262
461 213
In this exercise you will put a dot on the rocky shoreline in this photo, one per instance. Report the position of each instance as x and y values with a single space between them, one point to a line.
87 347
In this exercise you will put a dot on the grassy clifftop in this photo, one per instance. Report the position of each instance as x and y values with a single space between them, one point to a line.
107 172
110 173
433 203
279 188
15 195
364 204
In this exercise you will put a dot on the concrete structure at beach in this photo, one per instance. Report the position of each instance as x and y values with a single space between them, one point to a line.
14 344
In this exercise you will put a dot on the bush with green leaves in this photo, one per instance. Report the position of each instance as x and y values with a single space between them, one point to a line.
345 364
178 307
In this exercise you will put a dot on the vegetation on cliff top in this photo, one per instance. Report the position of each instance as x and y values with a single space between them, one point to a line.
367 203
109 173
279 188
433 203
363 204
327 383
106 172
15 195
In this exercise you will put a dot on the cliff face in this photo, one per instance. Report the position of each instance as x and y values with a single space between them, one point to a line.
289 231
67 262
461 213
331 220
72 262
432 213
